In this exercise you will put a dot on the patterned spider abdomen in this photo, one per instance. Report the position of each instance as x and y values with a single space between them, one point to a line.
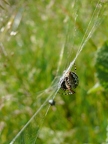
70 82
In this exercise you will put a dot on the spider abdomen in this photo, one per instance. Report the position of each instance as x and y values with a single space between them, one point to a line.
70 82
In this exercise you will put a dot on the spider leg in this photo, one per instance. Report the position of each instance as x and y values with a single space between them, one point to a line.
71 91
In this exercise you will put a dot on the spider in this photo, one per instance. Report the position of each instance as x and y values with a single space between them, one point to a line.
70 82
51 102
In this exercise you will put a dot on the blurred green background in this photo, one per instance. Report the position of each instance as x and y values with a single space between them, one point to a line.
32 35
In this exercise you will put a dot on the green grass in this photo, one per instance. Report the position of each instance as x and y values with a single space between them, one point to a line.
28 64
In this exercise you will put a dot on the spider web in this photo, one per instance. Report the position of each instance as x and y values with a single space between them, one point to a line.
34 130
30 135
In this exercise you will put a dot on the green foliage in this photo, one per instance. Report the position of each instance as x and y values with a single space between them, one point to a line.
102 65
32 36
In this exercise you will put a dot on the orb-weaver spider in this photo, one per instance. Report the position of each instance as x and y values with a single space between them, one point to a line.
69 82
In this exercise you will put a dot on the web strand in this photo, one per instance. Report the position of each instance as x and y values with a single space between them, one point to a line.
30 120
86 37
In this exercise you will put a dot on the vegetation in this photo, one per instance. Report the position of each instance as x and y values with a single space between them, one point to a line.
102 65
32 36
